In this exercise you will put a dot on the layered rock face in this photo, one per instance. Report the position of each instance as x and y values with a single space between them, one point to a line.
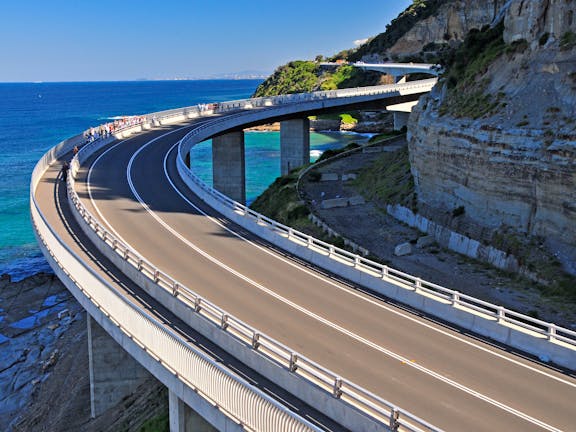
517 167
530 19
452 22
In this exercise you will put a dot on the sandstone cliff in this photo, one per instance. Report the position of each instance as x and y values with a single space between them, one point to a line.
512 166
428 23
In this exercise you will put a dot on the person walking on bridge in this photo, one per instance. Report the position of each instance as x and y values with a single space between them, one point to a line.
64 171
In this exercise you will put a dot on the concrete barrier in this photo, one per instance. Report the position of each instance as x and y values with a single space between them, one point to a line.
483 324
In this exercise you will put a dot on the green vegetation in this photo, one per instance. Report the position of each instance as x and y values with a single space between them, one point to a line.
156 424
465 68
307 76
331 153
543 39
458 211
532 254
477 52
388 180
385 136
568 41
295 77
341 75
281 202
344 118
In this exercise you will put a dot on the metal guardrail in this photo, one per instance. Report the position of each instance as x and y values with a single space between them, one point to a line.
379 408
504 315
375 406
456 298
233 395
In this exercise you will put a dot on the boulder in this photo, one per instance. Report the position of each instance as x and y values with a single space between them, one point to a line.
403 249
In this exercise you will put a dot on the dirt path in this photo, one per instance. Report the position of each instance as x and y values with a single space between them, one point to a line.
371 228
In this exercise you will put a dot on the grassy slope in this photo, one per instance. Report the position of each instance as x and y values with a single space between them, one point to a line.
388 180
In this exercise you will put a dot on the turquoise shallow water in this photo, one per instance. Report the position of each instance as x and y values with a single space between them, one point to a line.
35 117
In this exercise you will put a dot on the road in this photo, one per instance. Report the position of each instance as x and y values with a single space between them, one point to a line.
449 379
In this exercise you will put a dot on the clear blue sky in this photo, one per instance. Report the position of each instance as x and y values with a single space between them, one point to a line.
77 40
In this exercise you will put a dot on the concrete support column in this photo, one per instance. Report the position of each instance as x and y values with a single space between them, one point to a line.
114 374
228 165
400 120
185 419
294 144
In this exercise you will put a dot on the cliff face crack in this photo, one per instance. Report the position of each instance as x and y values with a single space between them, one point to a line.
21 359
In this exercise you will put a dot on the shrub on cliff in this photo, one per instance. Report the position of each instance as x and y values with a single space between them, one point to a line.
306 76
295 77
465 70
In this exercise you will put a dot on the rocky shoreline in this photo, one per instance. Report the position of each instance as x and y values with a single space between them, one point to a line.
44 380
36 315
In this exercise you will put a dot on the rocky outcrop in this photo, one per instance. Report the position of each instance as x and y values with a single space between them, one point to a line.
530 20
515 167
451 23
35 314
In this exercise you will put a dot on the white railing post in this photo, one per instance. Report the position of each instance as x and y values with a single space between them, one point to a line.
501 314
293 360
417 284
394 424
224 322
552 329
455 298
337 388
255 340
384 272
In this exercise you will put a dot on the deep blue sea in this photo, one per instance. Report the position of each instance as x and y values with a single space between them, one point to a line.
37 116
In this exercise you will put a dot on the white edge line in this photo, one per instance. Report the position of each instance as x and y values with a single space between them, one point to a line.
311 314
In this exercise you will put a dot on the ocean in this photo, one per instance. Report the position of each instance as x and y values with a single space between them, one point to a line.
37 116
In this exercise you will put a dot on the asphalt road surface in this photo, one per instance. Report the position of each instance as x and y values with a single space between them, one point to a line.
448 378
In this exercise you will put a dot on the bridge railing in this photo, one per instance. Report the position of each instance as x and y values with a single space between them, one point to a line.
233 395
368 402
261 342
456 298
258 340
377 407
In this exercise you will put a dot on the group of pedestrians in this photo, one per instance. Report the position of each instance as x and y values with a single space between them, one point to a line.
102 131
207 107
107 129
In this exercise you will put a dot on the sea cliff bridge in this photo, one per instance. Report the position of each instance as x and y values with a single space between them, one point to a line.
254 326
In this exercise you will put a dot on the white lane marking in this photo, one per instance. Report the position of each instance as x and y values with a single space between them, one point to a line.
354 293
93 201
89 177
315 316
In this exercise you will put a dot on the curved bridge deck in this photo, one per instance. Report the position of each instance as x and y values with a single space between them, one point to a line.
51 196
448 378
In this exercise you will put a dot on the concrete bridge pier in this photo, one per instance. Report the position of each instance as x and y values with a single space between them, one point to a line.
400 120
294 144
185 419
114 374
228 165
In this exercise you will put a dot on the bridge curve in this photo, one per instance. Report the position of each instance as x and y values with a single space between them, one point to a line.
167 275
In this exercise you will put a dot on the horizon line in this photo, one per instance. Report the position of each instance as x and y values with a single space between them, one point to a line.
134 80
